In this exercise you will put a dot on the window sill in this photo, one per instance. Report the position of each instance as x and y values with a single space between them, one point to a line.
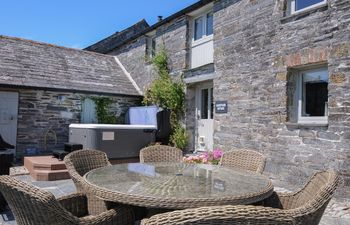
301 125
202 40
302 14
203 67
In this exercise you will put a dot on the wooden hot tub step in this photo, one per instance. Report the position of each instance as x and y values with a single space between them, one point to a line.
49 175
46 168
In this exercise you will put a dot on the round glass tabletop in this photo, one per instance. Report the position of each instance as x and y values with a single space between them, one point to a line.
177 183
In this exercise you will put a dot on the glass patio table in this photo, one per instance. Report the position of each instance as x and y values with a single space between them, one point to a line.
177 185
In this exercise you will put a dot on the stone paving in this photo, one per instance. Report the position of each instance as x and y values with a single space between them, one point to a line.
337 213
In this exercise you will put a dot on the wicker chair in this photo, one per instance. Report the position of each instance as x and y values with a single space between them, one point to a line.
307 205
245 159
160 153
304 207
33 206
78 164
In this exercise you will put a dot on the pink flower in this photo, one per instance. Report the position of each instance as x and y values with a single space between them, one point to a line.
205 157
202 156
217 153
205 160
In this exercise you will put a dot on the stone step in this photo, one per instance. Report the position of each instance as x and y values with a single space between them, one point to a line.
49 175
43 163
46 168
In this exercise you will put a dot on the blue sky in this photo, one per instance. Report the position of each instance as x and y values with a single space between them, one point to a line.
79 23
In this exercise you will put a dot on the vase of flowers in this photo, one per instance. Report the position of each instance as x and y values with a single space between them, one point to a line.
210 157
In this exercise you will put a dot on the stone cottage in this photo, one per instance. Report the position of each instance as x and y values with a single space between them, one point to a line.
268 75
44 88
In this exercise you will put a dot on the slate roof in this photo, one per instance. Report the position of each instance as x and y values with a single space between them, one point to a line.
113 42
108 44
26 63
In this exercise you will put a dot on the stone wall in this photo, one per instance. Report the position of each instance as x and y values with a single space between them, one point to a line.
173 36
255 46
40 111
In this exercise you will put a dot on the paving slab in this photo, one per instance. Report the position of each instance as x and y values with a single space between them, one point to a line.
334 221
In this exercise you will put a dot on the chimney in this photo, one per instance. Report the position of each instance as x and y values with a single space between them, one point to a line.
160 18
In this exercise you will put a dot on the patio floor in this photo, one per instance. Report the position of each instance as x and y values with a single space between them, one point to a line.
337 213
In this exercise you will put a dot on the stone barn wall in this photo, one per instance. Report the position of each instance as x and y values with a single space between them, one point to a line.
40 111
255 48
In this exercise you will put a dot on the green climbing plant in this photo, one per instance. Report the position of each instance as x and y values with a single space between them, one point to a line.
179 137
168 93
102 113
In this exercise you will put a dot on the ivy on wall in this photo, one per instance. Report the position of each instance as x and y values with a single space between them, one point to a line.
102 113
168 94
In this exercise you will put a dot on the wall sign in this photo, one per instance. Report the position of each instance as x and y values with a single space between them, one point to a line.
221 107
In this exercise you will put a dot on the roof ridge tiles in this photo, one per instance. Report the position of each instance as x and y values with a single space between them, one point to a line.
52 45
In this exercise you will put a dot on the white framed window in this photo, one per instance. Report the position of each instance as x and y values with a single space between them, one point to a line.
203 27
202 47
312 96
151 46
295 6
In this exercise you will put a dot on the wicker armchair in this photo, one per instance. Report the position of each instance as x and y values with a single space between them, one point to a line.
307 205
33 206
245 159
160 153
304 207
78 164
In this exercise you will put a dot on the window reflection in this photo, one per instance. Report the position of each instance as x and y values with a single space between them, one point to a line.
198 28
315 93
301 4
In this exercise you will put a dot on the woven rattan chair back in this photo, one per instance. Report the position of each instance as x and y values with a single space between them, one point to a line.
33 206
245 159
160 153
317 189
309 204
78 164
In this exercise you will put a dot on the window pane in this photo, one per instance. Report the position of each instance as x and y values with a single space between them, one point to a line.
204 104
315 93
301 4
150 46
198 28
153 53
209 23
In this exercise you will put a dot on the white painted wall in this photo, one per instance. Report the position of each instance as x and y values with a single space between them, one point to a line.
202 53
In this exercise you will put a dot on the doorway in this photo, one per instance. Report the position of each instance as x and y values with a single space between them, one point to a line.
9 116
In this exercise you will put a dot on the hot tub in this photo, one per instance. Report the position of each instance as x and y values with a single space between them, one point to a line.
117 141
